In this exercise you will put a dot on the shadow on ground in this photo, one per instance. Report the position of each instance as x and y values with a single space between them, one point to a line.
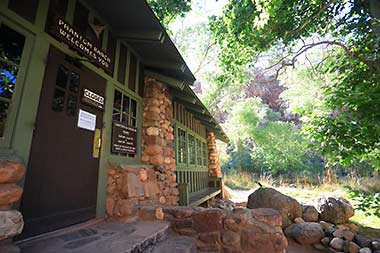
373 233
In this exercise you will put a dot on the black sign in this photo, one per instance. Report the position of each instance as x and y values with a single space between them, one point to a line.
124 139
93 99
78 41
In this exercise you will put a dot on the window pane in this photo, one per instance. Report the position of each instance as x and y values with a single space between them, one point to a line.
205 151
125 104
58 100
133 122
74 82
133 108
8 77
125 118
71 106
199 152
11 47
116 115
62 76
117 101
191 149
3 115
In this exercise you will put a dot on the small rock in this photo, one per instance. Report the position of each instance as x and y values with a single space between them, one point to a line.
365 250
353 227
159 214
353 247
330 232
325 241
11 223
338 233
376 245
337 243
298 220
310 213
348 235
334 250
362 241
325 225
305 232
342 227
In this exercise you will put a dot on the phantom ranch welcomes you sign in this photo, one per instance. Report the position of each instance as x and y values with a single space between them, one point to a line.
82 44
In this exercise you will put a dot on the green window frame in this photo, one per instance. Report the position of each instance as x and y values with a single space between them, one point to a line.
199 152
182 146
192 149
125 110
204 153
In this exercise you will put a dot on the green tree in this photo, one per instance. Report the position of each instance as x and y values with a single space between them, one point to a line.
168 10
349 129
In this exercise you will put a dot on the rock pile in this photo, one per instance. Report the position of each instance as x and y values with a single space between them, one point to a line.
342 239
223 230
11 221
326 227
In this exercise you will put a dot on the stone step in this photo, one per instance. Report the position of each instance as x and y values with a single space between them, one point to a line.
175 244
102 237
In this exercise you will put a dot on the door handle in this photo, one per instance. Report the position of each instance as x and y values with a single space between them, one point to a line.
97 143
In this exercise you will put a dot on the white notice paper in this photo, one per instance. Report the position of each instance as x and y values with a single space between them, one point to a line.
86 120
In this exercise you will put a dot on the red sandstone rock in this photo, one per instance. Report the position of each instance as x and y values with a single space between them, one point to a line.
110 204
231 238
232 224
353 247
153 150
208 220
11 172
151 189
268 215
211 237
9 194
255 242
156 160
183 212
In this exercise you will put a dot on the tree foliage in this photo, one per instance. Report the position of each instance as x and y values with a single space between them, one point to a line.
168 10
349 128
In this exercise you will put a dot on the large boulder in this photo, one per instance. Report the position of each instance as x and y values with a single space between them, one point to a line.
271 198
305 232
335 210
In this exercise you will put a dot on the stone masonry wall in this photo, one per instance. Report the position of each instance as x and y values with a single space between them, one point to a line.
11 222
132 187
213 156
158 137
129 188
236 230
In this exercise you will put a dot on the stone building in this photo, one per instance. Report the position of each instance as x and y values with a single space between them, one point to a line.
97 117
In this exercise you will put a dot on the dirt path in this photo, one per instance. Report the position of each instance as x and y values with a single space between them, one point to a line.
298 248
